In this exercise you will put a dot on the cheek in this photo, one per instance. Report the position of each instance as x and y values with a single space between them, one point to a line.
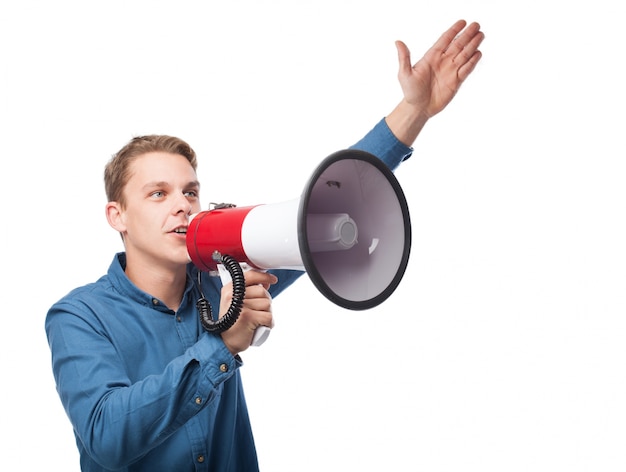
138 221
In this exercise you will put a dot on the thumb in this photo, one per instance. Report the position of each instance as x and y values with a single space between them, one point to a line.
404 58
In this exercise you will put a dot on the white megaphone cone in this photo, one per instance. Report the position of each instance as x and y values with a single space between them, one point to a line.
350 231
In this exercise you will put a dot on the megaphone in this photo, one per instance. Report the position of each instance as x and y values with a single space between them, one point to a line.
349 230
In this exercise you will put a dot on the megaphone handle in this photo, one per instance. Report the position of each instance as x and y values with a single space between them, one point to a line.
260 335
262 332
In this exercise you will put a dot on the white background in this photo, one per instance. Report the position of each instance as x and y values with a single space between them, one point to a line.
504 347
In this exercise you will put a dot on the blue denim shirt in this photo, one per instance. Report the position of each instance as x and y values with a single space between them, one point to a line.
146 388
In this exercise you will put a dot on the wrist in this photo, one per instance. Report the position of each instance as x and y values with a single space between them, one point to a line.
406 122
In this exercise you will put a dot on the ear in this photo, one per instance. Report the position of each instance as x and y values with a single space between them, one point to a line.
115 216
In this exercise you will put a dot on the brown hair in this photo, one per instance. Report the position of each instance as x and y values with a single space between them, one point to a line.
117 170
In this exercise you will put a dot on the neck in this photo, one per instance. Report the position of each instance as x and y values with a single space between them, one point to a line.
168 285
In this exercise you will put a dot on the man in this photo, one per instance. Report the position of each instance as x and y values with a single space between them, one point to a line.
145 387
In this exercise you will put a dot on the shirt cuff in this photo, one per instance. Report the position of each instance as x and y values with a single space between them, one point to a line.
382 143
216 361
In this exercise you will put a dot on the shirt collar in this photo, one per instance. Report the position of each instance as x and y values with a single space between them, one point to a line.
122 283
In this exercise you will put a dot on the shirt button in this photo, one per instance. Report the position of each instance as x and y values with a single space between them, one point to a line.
155 301
224 368
179 319
198 401
200 459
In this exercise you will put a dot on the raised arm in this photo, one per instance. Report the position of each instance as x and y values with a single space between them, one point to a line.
427 87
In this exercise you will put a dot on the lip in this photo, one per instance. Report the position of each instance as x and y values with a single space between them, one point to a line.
179 227
177 234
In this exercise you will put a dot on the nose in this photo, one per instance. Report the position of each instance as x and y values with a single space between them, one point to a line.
183 206
187 209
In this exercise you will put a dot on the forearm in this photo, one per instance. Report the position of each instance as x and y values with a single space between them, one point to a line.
130 421
406 121
119 418
382 143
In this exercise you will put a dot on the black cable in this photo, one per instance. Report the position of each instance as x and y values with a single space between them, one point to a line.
234 310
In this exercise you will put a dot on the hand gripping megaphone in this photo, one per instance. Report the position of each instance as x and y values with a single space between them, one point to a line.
350 231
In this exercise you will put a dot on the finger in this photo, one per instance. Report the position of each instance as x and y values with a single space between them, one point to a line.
256 291
262 319
468 57
467 42
257 277
258 311
258 305
444 41
404 58
466 69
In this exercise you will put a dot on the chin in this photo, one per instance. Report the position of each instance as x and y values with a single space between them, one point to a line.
179 258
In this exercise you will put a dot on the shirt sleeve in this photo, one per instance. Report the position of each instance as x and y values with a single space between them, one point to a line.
116 419
382 143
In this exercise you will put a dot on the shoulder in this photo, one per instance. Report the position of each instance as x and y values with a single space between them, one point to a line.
88 295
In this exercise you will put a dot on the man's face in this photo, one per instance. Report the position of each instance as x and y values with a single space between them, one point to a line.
161 193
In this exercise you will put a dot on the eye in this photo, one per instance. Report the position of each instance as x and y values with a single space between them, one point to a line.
157 194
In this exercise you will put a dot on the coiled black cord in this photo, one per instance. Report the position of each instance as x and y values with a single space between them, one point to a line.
234 310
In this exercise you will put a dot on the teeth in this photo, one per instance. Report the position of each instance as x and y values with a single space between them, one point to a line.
181 230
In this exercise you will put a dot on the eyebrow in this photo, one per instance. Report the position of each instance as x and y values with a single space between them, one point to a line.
163 183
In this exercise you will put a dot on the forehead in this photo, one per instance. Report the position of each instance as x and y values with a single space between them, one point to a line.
162 167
